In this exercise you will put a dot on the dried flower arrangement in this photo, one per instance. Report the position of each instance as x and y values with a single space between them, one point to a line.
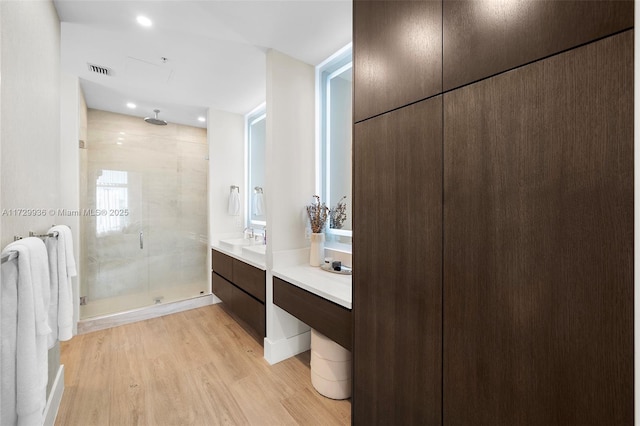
338 214
317 213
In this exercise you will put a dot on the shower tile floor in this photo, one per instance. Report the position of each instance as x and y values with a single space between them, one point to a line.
123 303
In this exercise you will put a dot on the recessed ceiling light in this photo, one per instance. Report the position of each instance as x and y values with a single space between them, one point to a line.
144 21
119 143
202 119
131 105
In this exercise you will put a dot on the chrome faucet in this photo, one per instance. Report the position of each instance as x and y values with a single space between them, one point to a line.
248 231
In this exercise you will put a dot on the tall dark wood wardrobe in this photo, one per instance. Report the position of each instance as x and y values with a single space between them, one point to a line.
493 212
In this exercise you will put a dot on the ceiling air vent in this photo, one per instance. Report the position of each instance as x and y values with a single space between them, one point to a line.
100 70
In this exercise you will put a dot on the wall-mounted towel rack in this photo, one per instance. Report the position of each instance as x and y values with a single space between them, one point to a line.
232 187
6 257
258 189
33 234
14 254
47 235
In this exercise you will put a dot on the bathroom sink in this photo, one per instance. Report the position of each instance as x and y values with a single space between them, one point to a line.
236 243
255 252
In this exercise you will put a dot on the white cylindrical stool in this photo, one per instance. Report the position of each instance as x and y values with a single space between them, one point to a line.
330 367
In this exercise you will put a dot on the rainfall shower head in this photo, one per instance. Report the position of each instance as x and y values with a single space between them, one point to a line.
155 120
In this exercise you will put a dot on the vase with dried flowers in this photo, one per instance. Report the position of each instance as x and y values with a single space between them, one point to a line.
338 214
318 214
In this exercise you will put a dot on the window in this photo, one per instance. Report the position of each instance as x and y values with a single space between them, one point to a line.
256 144
334 80
112 201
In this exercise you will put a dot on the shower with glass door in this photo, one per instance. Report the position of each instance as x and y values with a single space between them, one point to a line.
145 221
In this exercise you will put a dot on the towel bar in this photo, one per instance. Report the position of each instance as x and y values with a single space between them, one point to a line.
9 256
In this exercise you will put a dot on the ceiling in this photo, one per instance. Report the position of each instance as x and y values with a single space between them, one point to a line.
215 50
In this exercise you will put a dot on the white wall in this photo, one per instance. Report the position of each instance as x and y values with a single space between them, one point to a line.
290 184
225 133
30 121
30 103
290 148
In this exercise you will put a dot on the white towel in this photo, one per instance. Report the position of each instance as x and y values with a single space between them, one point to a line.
62 267
31 327
8 333
52 309
67 238
234 202
258 204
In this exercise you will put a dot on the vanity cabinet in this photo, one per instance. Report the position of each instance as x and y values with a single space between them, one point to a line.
330 319
397 44
241 287
483 38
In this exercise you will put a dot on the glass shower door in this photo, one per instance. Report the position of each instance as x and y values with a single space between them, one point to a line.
148 243
117 272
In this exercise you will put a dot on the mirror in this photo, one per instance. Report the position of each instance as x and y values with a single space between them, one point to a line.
256 140
336 81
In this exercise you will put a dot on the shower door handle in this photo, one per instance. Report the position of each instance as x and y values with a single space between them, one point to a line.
141 241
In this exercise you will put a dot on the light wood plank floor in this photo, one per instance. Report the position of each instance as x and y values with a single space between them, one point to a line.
197 367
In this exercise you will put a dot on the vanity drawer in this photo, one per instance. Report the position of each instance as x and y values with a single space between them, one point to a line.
330 319
222 264
249 310
250 279
222 288
240 304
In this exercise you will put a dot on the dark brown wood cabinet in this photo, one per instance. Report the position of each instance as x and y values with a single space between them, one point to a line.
397 255
397 43
493 213
538 226
222 264
250 279
330 319
241 287
483 38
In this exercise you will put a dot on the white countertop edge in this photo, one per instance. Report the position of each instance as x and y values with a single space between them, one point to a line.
240 257
304 276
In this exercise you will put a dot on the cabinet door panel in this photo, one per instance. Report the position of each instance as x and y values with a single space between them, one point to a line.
397 254
538 263
250 311
250 279
397 54
485 37
222 264
222 288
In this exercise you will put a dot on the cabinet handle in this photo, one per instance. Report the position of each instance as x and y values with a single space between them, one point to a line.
141 241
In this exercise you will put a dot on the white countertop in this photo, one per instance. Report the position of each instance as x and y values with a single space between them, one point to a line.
330 286
239 255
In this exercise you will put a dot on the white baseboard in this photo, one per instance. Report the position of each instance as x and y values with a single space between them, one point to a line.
55 397
279 350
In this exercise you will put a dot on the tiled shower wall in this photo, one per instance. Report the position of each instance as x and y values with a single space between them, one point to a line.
166 170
